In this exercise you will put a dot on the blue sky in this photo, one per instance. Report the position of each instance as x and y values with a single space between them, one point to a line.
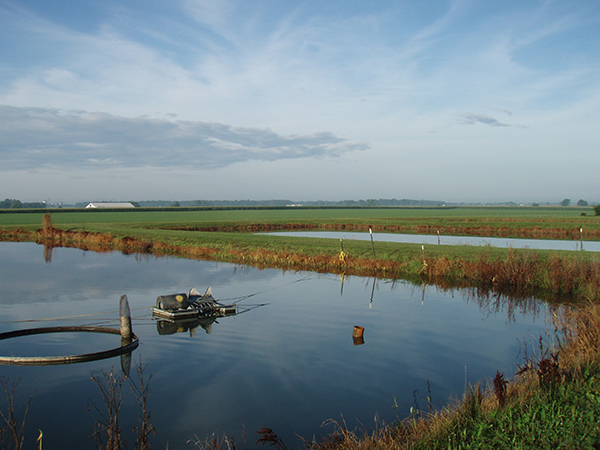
467 100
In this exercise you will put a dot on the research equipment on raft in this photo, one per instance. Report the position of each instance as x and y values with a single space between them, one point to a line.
179 308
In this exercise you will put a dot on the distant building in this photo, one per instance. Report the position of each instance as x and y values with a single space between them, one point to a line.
110 205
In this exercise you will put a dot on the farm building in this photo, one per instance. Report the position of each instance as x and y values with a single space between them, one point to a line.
110 205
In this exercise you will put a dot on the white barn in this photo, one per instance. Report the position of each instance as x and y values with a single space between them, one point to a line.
110 205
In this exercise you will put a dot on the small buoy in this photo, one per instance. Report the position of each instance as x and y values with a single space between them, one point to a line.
357 335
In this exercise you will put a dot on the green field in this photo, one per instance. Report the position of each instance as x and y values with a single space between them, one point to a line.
567 217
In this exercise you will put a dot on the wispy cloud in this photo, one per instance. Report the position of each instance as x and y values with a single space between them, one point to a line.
475 118
42 137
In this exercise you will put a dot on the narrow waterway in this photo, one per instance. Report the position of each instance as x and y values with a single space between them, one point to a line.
540 244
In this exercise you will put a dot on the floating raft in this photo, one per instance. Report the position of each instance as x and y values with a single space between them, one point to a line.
183 306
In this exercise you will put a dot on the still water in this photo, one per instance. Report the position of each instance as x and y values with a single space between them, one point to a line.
430 239
288 362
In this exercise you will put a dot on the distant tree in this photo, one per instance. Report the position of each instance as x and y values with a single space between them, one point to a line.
535 204
176 204
597 209
565 202
10 203
582 203
34 205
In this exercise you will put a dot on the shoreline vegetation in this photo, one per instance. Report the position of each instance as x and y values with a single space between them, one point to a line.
552 402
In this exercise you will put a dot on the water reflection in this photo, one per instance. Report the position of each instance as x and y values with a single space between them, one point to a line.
289 365
165 327
48 247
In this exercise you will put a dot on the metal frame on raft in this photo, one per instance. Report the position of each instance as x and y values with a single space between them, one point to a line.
129 341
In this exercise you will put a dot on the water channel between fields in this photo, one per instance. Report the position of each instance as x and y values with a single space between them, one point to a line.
429 239
287 362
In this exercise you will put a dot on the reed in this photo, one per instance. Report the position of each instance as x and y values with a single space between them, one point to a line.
107 430
141 391
13 428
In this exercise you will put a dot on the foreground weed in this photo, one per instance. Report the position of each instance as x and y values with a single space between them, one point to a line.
500 388
214 443
110 387
268 436
141 390
107 430
13 428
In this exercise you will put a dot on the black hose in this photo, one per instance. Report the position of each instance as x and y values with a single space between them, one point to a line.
129 346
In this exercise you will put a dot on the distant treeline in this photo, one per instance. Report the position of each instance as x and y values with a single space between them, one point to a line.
275 203
369 202
12 203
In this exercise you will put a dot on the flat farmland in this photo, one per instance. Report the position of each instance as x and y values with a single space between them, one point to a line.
407 219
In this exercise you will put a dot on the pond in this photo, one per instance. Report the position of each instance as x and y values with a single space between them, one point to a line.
429 239
287 361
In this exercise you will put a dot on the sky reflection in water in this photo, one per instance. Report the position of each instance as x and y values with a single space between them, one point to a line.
430 239
289 365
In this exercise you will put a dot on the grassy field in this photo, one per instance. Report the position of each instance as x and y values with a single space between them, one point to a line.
335 213
483 221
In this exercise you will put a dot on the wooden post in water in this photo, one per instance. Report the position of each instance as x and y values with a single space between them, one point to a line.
125 314
372 244
126 333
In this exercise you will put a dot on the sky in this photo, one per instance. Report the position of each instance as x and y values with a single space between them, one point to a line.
457 101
